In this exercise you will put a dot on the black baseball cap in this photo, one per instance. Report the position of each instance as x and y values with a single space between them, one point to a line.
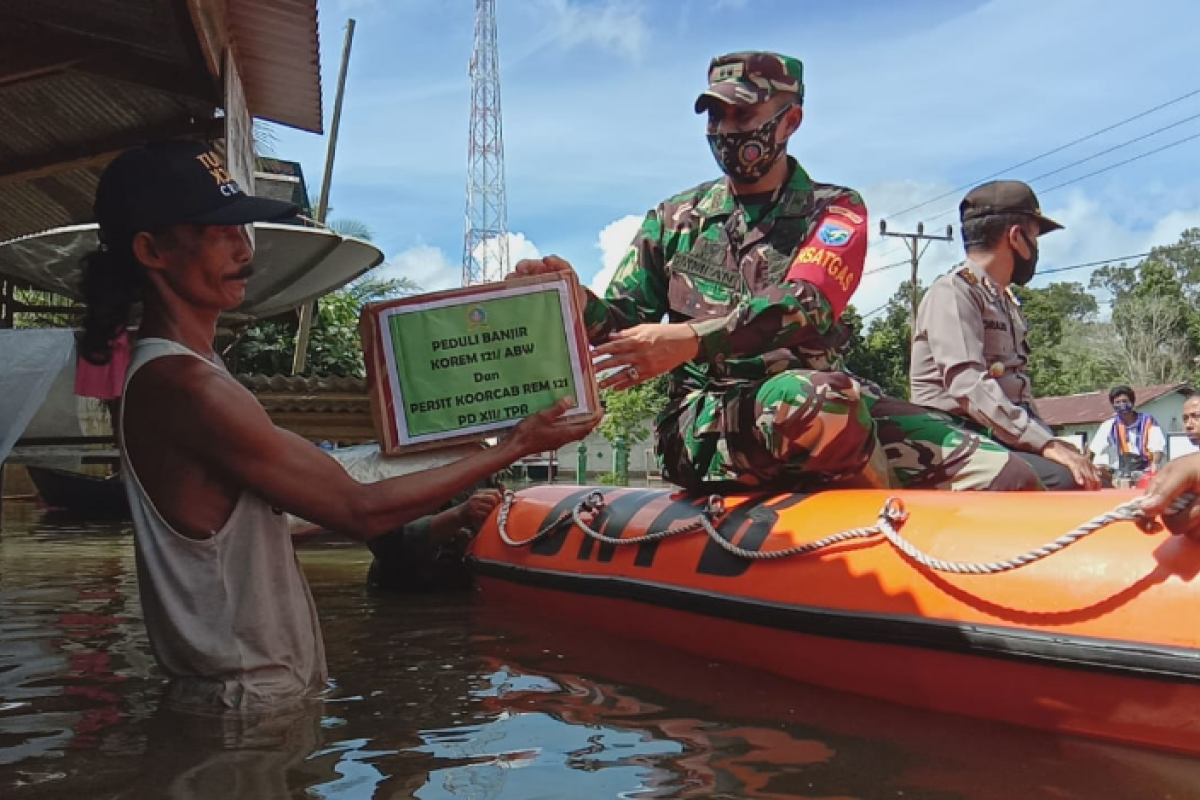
152 186
1004 197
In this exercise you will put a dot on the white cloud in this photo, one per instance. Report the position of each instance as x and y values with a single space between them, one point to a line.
592 134
1094 230
613 243
431 269
425 265
350 6
615 25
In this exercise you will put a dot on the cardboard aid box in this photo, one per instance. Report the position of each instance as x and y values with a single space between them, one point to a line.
466 364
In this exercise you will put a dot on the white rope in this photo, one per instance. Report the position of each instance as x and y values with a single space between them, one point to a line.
891 518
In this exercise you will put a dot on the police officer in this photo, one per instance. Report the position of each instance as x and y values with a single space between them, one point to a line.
969 351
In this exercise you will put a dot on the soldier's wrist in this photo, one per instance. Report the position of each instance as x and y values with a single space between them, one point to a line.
712 338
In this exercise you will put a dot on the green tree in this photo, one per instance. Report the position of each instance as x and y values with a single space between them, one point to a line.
881 352
266 347
351 227
1154 335
334 349
629 413
1052 312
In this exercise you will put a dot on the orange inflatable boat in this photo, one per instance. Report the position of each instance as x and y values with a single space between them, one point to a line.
1046 610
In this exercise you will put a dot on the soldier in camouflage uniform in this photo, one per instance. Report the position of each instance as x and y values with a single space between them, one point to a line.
753 272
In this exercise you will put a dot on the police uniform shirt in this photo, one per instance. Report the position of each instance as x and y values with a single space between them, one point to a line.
969 356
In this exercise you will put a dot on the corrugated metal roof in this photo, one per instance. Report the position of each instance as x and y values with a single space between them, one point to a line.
62 112
49 202
278 48
81 81
1085 409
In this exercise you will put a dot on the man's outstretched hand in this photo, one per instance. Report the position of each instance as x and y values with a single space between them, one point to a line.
549 429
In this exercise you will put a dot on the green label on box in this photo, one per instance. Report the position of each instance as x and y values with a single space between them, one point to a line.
481 363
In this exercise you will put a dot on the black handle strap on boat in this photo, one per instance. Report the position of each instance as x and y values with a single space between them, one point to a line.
891 518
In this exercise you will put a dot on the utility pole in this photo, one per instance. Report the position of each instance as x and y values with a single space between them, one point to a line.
913 241
485 239
308 310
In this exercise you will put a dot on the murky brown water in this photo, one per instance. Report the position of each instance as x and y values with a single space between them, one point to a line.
439 697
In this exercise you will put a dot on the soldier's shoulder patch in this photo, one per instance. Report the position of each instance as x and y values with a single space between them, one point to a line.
842 211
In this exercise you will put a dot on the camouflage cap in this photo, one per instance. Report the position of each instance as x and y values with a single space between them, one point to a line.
745 79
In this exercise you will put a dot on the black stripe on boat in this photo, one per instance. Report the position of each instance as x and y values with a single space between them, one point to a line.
1131 659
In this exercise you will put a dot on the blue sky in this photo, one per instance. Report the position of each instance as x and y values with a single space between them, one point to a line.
905 101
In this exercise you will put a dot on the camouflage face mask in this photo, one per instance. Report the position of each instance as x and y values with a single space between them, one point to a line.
746 156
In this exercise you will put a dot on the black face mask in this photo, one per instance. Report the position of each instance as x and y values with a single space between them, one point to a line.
746 156
1024 268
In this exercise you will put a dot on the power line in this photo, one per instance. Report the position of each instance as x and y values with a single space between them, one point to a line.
1048 153
873 312
1041 272
1092 174
885 267
1123 163
1161 248
1092 264
1114 148
1076 163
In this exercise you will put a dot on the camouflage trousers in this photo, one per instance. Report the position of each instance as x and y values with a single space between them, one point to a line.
802 429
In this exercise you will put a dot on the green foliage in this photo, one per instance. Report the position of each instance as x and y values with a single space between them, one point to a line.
1151 334
351 227
334 349
628 413
881 352
42 319
1060 316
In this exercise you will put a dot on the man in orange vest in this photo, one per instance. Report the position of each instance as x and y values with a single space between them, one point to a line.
1131 441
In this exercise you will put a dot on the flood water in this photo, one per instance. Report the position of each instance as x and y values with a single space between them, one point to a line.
442 697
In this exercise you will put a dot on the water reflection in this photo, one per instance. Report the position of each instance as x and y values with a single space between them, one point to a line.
196 757
443 697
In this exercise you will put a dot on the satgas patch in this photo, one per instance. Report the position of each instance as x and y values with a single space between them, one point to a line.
832 263
835 234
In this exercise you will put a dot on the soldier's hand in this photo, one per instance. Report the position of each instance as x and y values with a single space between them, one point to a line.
637 354
1176 478
1082 470
550 265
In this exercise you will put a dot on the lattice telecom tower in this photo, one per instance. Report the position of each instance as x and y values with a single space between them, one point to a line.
485 244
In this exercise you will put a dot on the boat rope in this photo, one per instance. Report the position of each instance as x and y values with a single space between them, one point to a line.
891 518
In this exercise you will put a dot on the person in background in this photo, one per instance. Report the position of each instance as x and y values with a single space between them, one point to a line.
1129 442
1191 419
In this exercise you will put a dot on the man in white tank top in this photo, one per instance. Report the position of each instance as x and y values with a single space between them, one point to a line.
228 611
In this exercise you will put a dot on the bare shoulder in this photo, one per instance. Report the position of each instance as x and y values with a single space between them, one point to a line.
192 397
